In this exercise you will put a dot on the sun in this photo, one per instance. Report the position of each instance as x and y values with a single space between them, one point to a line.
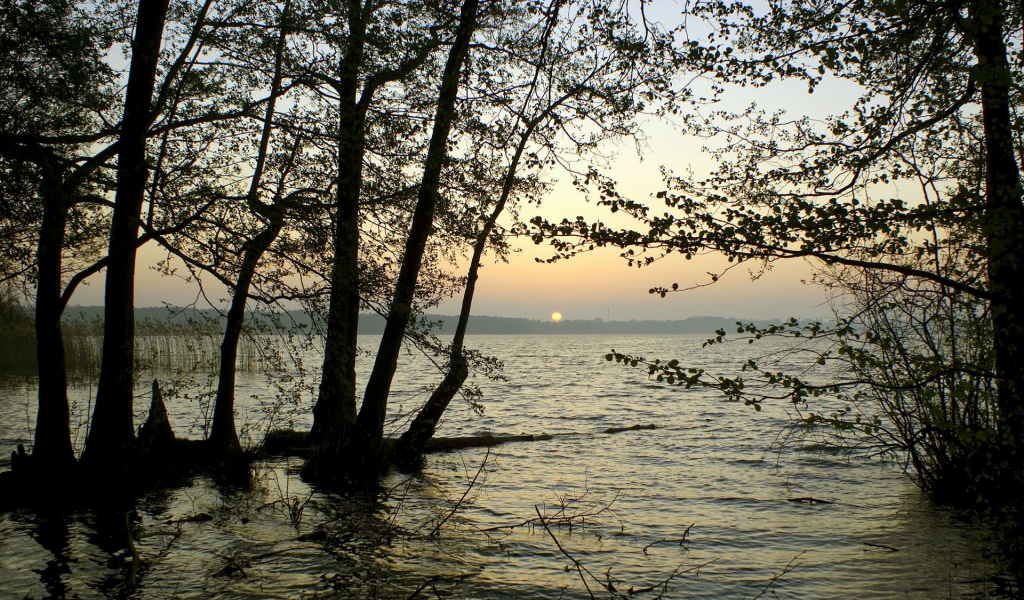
556 316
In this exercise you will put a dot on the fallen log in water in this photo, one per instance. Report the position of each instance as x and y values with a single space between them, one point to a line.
442 444
286 441
637 427
296 443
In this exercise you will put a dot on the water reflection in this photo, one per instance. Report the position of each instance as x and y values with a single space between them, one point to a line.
632 496
52 533
279 538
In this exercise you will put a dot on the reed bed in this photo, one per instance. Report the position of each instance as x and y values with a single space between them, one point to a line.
192 346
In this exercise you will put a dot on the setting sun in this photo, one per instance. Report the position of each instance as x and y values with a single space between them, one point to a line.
556 316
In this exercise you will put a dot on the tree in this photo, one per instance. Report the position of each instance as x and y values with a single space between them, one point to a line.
583 76
419 176
223 433
574 86
194 102
112 433
58 85
921 268
362 76
369 423
61 131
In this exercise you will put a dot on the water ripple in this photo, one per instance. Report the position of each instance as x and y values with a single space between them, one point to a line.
621 504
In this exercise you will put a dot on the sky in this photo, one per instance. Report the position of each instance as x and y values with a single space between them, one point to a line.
592 285
600 284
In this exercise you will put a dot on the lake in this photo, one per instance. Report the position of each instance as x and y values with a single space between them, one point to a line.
699 507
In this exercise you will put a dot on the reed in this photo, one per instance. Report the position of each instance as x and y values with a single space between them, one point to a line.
17 336
83 347
192 346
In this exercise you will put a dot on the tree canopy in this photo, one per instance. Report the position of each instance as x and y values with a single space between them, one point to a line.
908 204
341 155
348 156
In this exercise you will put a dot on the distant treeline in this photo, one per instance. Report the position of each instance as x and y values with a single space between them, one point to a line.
480 325
484 325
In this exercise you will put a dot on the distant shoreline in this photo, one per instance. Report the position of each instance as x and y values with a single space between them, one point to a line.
478 324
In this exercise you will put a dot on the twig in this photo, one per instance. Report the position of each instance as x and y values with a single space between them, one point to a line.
576 564
455 508
433 580
236 561
775 578
675 573
680 540
159 532
562 517
810 500
136 559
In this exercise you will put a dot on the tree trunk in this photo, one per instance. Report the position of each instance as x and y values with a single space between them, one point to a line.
1003 224
52 449
156 434
409 449
335 409
223 434
112 433
370 422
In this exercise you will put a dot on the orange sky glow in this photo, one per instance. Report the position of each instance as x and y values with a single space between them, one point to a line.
596 284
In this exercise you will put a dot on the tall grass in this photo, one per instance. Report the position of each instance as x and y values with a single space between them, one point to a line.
17 336
193 346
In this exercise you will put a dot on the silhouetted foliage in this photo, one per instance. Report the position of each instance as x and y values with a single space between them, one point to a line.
927 285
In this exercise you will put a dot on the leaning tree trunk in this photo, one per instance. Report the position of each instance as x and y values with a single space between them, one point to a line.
112 433
370 422
409 449
1003 223
223 434
52 450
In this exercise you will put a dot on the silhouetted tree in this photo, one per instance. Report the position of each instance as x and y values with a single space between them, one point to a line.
57 89
946 258
112 432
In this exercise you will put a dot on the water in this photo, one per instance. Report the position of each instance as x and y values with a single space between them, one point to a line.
464 530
